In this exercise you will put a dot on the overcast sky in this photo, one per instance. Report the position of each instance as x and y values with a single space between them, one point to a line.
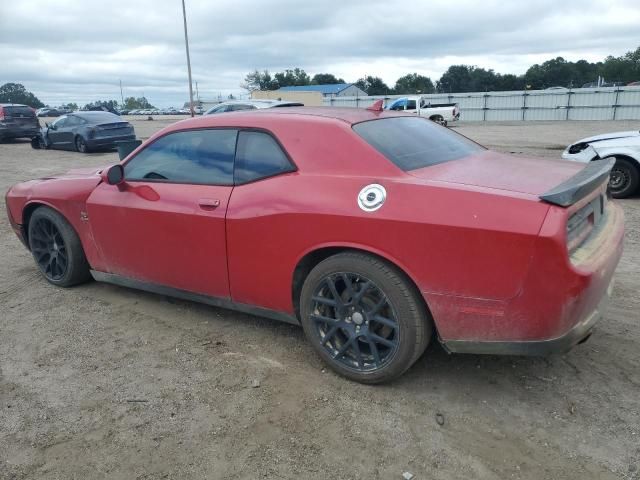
79 50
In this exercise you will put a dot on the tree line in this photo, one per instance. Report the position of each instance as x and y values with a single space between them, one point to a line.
557 72
17 93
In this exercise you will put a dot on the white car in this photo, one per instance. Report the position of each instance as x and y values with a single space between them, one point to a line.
441 113
624 147
237 105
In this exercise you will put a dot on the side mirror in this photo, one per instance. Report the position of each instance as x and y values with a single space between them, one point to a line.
114 175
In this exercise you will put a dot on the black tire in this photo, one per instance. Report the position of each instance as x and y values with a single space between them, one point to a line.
81 145
36 143
624 178
407 327
56 248
439 119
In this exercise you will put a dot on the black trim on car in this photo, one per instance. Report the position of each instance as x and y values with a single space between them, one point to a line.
581 184
233 184
194 297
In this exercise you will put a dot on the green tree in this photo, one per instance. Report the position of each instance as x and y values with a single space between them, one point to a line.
70 106
373 85
413 83
131 103
16 93
110 105
292 78
259 81
325 79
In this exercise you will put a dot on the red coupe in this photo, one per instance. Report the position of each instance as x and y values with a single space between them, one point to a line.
375 231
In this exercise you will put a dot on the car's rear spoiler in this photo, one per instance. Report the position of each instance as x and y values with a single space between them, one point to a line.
581 184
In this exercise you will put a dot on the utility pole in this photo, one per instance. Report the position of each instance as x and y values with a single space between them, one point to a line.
121 96
186 44
197 94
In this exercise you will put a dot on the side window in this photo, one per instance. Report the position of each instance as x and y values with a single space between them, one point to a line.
235 108
73 121
61 122
258 156
411 105
196 156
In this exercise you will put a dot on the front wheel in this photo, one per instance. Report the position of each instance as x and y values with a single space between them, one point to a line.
56 248
364 317
624 178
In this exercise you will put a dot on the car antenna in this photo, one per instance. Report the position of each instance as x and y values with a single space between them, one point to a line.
376 107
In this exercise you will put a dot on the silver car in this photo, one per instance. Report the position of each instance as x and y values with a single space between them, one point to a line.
237 105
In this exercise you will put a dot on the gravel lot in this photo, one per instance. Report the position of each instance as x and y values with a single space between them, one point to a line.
99 381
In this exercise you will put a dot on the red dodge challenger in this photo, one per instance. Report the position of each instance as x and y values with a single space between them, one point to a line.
375 231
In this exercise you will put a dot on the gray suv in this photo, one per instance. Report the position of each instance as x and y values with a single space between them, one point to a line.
18 121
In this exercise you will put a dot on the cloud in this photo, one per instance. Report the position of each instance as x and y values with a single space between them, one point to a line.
79 51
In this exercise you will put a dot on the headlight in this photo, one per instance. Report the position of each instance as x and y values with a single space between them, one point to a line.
578 147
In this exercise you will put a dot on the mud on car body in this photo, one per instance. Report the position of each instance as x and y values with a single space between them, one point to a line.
376 231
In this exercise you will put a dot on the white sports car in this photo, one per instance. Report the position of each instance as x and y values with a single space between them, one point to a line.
624 147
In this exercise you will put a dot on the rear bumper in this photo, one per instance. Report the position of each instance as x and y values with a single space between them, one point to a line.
109 141
18 132
580 332
560 301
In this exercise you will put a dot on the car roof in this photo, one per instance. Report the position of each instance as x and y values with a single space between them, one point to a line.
96 115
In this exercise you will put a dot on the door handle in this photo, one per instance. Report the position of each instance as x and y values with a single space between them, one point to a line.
209 203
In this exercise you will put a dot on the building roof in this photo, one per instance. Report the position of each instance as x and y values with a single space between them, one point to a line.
327 89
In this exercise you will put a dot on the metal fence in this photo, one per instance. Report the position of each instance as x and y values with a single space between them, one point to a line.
604 103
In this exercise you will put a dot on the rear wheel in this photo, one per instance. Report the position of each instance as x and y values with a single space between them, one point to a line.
624 178
81 145
56 248
363 317
439 119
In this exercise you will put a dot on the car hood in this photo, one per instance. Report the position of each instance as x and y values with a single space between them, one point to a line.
75 173
489 169
610 136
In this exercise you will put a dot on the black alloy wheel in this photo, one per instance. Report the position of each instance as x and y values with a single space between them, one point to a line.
49 249
355 321
364 317
56 248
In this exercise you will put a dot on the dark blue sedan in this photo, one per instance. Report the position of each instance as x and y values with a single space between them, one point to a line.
85 131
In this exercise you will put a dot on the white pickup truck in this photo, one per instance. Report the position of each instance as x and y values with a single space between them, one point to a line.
442 113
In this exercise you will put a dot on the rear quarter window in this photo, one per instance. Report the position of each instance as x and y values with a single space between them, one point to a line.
258 156
413 142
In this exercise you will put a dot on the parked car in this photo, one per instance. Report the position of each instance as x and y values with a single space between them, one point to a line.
376 231
48 112
624 147
236 105
441 113
84 131
17 121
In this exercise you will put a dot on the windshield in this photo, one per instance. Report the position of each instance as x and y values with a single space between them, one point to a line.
413 142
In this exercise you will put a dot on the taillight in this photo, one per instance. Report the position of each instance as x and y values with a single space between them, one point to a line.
1 113
582 223
579 227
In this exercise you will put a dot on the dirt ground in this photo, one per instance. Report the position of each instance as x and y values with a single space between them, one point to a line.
99 381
